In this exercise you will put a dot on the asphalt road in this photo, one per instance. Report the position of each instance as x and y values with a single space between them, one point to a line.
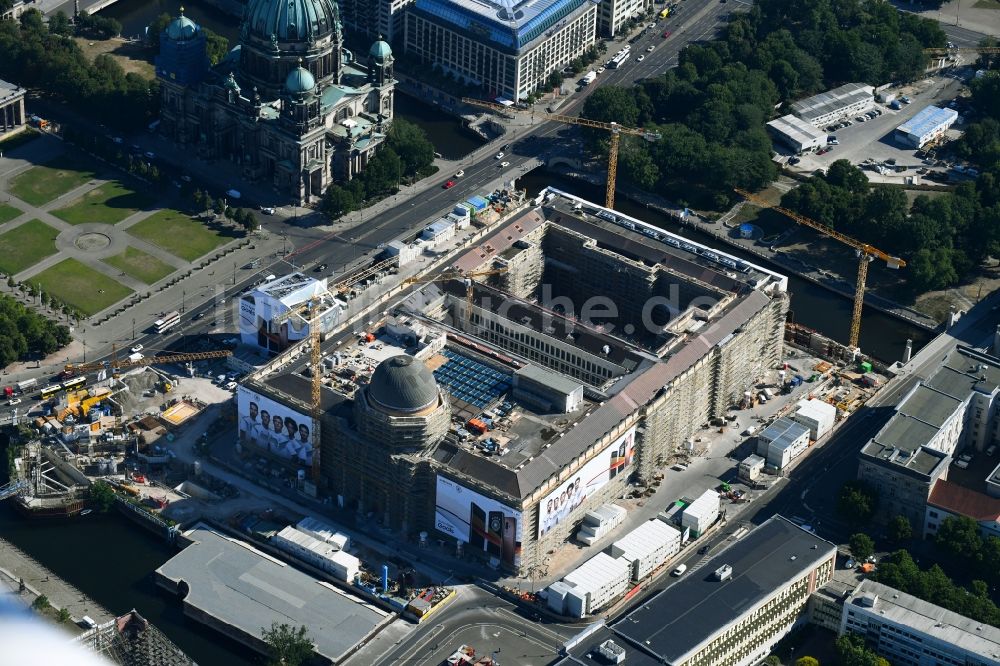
481 620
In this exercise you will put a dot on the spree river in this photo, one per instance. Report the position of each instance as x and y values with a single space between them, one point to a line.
111 560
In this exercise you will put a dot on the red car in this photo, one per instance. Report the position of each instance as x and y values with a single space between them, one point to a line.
667 34
450 184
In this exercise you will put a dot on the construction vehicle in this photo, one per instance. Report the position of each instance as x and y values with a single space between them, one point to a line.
615 129
116 366
457 275
866 253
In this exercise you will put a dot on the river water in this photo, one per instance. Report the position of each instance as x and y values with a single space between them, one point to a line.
111 560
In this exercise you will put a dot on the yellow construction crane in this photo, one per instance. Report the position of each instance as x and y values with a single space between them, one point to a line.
458 275
615 129
115 365
865 252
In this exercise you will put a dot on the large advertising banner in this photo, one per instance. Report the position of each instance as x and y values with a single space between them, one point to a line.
273 427
483 523
609 463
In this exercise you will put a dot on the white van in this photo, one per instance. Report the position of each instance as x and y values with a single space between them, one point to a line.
679 571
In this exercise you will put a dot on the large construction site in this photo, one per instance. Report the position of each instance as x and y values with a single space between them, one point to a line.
571 351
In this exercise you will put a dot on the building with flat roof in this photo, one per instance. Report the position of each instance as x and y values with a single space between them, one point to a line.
817 415
782 441
261 308
844 101
911 632
236 589
949 499
12 118
797 134
929 124
953 410
378 19
700 620
515 417
509 47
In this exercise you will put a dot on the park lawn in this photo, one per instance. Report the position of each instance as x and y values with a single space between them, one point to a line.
80 287
8 213
180 235
41 184
26 245
110 203
140 265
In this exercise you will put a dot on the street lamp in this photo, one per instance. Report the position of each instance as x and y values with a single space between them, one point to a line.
234 273
133 330
183 298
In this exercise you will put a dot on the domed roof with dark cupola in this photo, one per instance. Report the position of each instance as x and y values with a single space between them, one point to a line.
299 80
182 28
291 20
380 50
403 384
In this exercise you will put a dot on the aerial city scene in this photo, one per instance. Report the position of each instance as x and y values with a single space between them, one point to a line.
482 332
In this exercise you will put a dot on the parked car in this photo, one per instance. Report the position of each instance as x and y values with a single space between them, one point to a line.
267 210
679 571
850 564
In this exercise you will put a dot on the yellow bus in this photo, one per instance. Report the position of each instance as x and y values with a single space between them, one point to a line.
665 13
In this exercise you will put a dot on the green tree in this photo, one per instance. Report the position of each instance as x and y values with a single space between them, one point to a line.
771 660
411 145
857 501
862 546
852 651
198 196
337 201
219 206
59 24
103 495
899 529
959 536
216 46
63 615
156 29
40 603
807 661
287 645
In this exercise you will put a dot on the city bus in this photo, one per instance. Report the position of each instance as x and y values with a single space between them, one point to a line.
665 13
76 382
50 391
168 321
620 58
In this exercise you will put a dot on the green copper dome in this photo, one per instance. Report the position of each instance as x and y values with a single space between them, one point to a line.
299 80
182 28
291 20
380 50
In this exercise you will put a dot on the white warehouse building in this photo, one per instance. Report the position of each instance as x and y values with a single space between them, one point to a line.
699 515
929 124
847 100
324 556
510 48
817 415
782 442
596 583
647 547
796 134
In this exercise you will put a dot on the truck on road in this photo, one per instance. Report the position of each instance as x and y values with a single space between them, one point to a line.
589 78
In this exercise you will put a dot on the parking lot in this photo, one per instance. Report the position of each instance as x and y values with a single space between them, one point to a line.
871 142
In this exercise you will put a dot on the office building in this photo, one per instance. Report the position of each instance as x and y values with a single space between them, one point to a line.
501 422
951 411
767 578
508 48
612 14
908 631
950 500
374 19
842 102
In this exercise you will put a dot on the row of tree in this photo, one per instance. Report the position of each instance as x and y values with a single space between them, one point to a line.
944 239
900 571
35 57
24 332
406 155
959 538
711 110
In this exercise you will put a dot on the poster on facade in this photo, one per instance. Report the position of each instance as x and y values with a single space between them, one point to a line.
270 426
483 523
560 503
